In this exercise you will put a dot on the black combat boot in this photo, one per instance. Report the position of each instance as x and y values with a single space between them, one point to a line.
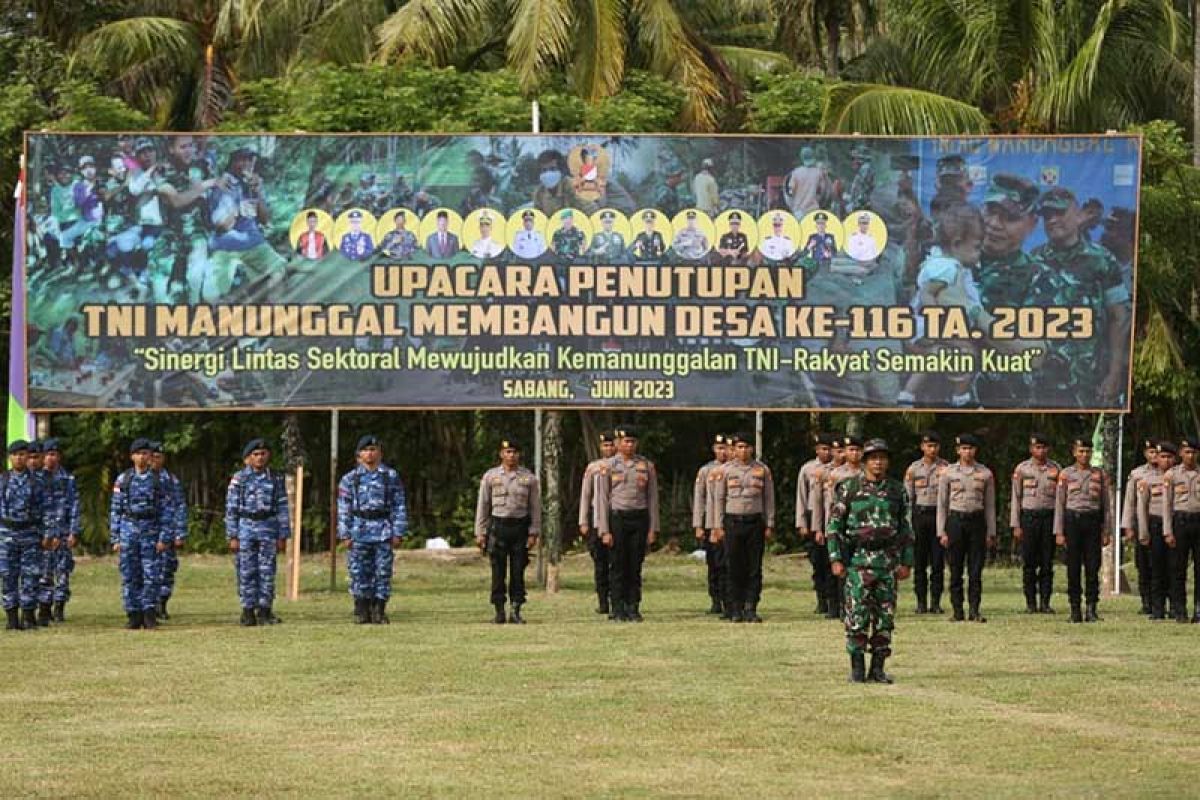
975 616
936 606
1181 615
1076 613
1031 606
1045 607
716 608
726 611
958 614
858 668
14 621
634 613
921 607
43 615
1196 617
28 619
267 617
248 620
162 608
822 605
877 675
499 619
150 619
60 609
1146 606
737 615
834 609
134 620
752 614
361 616
602 606
515 617
1090 615
381 617
614 611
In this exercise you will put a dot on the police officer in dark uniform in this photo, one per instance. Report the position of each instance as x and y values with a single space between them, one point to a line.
733 246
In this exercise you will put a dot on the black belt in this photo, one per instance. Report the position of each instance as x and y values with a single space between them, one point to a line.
630 512
925 509
1038 512
1092 513
382 513
515 522
967 513
257 516
1187 514
744 517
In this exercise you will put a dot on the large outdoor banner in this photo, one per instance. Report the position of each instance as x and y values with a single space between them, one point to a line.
253 271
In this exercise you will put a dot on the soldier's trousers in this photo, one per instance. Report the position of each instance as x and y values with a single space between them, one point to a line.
744 543
870 612
141 572
929 558
1186 528
508 549
967 532
20 569
599 554
718 571
1161 567
170 565
629 532
57 566
256 572
1141 558
1084 535
370 567
1037 555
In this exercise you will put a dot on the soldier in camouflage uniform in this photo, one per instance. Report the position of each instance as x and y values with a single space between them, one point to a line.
668 198
1083 274
22 520
170 556
372 519
608 246
36 457
141 524
568 242
870 542
863 185
63 529
185 182
588 528
257 527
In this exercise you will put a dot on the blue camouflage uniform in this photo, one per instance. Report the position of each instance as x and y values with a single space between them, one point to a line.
22 520
62 522
371 510
141 516
256 514
170 556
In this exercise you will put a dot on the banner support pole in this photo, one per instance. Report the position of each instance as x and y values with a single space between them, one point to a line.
1119 494
758 433
333 488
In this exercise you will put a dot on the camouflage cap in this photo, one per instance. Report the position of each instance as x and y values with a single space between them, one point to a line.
1018 195
875 446
1059 198
951 165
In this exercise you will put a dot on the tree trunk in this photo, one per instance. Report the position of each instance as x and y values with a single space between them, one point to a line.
854 424
1109 431
833 40
552 499
1196 83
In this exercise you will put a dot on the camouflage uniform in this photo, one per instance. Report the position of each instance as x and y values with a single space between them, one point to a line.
256 514
141 515
869 532
862 187
23 516
62 522
184 243
568 244
608 247
170 556
372 510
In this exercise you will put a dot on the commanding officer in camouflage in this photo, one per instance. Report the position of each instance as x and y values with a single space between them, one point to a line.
22 520
63 528
870 543
627 512
966 523
1086 275
141 525
863 185
372 520
1034 486
1150 506
508 522
1083 516
743 512
1181 525
702 525
648 246
921 483
808 486
257 527
850 467
1129 521
569 241
587 524
170 556
608 245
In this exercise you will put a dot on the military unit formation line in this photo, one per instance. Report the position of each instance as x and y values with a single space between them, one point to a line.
864 531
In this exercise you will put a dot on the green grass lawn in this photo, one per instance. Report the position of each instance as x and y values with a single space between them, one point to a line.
441 703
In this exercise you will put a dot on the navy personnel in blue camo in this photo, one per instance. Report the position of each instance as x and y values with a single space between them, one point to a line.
44 592
508 522
141 525
257 527
63 529
587 524
170 556
22 520
372 519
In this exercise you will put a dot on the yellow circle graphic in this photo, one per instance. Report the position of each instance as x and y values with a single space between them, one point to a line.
342 226
692 245
579 219
860 245
428 240
300 225
527 243
746 225
472 233
780 245
808 226
620 226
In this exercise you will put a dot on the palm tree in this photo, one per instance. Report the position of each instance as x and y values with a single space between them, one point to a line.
1029 65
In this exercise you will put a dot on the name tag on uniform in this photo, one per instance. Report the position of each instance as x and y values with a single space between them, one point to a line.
735 482
1181 490
1156 490
921 483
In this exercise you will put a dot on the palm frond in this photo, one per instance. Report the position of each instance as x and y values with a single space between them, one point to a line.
668 51
540 38
599 51
746 62
433 29
342 34
894 110
141 55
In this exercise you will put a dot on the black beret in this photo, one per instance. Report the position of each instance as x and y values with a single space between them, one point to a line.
1149 444
513 444
735 216
738 438
140 443
367 441
875 446
820 216
355 214
968 439
606 437
852 441
35 446
254 444
18 446
1081 441
156 446
722 438
1168 447
827 438
931 437
626 432
50 444
1189 441
1038 438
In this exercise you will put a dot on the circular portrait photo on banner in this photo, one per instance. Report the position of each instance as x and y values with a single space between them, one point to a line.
397 234
570 232
693 234
527 234
611 236
311 233
354 234
866 235
589 165
778 235
440 231
737 236
483 233
821 237
652 235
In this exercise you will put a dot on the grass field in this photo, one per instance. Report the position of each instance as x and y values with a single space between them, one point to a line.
440 703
